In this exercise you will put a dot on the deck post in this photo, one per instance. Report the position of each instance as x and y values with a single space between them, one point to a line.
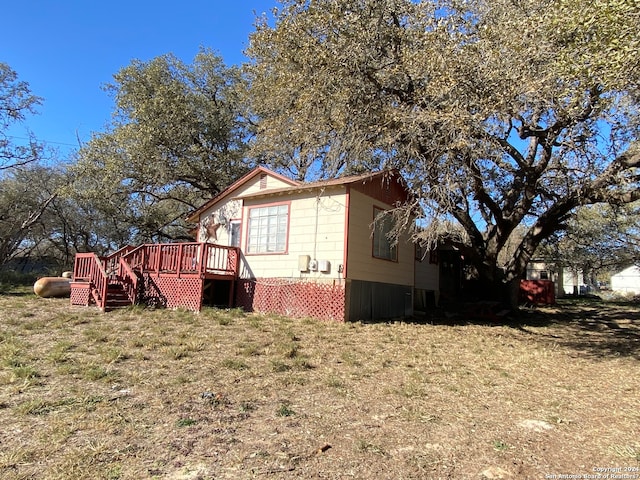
232 290
201 254
157 259
179 260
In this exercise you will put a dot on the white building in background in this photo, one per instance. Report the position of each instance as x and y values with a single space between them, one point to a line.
566 281
627 281
573 282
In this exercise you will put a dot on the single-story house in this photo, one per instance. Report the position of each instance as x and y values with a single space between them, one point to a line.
272 244
316 248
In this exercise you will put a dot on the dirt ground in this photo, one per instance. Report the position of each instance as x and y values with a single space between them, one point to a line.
137 394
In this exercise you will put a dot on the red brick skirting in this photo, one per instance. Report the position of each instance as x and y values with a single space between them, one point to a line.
292 298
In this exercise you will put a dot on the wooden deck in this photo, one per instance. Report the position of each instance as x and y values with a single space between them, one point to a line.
202 260
171 265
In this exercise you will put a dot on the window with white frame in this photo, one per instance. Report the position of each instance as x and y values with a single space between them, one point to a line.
267 230
382 245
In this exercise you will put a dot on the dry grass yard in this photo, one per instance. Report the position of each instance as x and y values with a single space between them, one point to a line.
138 394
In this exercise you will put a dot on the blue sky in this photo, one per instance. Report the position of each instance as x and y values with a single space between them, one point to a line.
67 50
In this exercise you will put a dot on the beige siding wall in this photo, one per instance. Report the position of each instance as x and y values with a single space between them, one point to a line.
253 186
222 213
362 264
316 228
230 209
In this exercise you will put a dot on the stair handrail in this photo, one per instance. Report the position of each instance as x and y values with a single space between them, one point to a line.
128 279
133 259
111 261
89 267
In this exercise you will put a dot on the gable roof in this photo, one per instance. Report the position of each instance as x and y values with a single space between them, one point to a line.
365 183
193 216
360 182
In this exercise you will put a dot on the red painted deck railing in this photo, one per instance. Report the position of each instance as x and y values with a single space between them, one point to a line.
168 259
128 279
89 267
182 259
112 262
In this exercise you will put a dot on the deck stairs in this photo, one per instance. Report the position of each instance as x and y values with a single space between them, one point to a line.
117 280
117 297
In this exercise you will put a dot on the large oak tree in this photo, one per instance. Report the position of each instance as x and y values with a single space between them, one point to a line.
177 138
503 115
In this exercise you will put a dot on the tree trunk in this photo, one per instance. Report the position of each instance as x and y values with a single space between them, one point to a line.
512 289
493 285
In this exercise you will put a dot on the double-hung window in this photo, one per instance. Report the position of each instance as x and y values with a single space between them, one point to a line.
382 245
268 229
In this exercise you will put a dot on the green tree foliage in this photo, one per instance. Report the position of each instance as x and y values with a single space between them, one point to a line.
601 39
68 226
21 204
503 115
16 101
42 224
177 138
599 240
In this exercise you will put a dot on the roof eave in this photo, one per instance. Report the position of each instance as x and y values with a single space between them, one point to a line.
194 216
